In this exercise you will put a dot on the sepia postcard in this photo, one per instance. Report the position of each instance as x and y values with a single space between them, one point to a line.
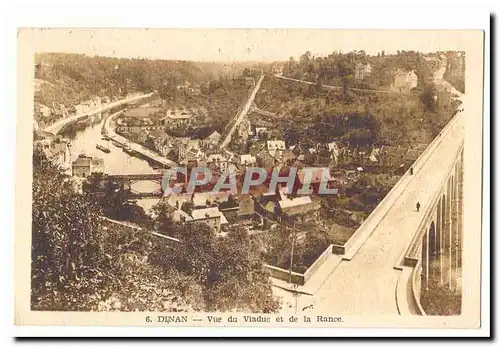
249 178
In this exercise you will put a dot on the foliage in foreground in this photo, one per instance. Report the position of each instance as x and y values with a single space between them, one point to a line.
229 269
440 300
82 263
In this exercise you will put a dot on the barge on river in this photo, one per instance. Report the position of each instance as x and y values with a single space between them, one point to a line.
102 148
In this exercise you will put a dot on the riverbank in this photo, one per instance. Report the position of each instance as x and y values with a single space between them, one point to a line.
116 162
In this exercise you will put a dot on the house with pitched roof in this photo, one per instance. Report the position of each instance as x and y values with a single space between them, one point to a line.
405 81
213 139
274 145
84 166
362 71
57 151
248 160
301 209
210 216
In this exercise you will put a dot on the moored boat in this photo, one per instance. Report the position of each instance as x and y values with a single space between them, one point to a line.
102 148
129 150
117 144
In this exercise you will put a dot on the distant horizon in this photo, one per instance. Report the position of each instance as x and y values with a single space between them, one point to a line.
242 45
228 61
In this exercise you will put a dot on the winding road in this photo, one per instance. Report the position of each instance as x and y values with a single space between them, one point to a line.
60 124
242 114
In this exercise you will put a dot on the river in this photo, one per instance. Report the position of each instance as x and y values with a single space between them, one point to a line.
115 162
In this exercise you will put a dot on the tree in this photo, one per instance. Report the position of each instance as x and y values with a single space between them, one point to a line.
229 269
81 263
304 59
67 254
345 67
440 300
428 97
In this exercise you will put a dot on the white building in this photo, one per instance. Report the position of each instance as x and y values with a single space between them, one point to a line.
45 111
85 166
362 71
210 216
58 152
405 81
278 70
176 118
247 159
273 146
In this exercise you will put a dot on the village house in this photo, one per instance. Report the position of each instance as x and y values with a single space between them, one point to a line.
45 111
301 209
259 132
180 147
267 205
217 161
229 72
297 150
209 199
188 149
244 129
278 70
176 118
191 155
230 208
362 71
212 140
84 166
260 128
249 81
165 147
57 150
275 145
405 81
210 216
248 160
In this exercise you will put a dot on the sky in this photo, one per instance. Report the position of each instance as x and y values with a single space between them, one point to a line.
227 45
